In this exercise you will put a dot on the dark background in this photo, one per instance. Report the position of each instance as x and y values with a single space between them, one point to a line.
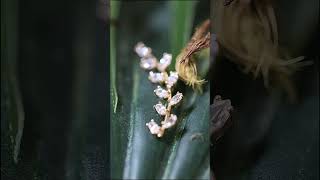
56 54
271 138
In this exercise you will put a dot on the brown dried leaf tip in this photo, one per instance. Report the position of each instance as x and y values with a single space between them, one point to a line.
185 62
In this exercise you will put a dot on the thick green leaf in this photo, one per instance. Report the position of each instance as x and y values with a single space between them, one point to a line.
180 154
191 145
182 15
84 52
136 154
11 105
114 7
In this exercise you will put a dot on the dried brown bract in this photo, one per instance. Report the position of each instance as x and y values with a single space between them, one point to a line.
185 62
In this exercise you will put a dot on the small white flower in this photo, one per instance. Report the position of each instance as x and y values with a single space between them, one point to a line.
172 79
157 77
161 93
160 108
170 121
165 61
154 128
175 99
148 63
142 50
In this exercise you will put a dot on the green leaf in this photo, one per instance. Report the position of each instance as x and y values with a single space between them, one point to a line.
179 154
191 145
114 8
11 105
182 15
136 154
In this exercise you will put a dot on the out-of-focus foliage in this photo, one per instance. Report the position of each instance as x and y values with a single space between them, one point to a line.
55 56
12 113
269 137
181 23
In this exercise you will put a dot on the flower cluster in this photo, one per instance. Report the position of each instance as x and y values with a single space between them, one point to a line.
149 62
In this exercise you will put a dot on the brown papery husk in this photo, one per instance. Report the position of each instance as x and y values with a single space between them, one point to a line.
185 61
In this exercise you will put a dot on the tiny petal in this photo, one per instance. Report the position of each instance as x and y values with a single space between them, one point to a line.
154 128
160 108
157 77
175 99
148 63
165 61
172 79
142 50
161 93
170 121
